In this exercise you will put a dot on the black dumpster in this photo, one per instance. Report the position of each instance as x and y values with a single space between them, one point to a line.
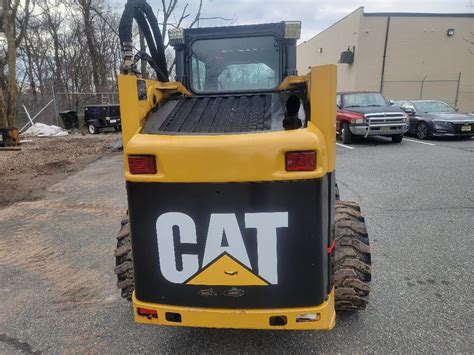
70 119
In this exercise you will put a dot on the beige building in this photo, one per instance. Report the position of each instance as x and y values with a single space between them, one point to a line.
403 55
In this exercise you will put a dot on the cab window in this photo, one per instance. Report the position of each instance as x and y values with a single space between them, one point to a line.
236 64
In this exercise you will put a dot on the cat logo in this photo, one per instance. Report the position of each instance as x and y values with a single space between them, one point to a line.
225 260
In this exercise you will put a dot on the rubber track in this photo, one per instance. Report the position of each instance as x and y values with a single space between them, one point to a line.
352 261
124 260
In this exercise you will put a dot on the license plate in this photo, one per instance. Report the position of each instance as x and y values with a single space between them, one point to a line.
466 128
384 129
113 121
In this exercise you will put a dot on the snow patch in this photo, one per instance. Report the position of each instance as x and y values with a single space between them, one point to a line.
44 130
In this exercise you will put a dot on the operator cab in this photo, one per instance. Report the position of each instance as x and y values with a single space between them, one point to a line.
252 58
234 74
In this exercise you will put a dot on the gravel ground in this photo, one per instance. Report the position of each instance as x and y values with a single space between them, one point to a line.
43 161
58 288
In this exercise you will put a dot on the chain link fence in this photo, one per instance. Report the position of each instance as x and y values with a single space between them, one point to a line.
50 104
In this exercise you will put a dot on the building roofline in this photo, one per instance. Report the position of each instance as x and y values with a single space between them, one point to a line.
418 14
334 24
391 14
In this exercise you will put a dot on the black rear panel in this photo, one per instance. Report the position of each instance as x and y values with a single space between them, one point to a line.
220 114
300 275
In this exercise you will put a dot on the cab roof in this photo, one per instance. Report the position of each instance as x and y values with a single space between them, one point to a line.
272 29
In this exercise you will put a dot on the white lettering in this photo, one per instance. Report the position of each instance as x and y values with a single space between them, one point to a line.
218 225
266 225
221 225
166 251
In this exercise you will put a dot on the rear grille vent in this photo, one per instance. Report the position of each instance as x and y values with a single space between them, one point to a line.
220 114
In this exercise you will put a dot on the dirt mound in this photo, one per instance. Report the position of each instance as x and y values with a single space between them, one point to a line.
40 163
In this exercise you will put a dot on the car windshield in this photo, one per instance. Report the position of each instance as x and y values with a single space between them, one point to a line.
236 64
367 99
433 106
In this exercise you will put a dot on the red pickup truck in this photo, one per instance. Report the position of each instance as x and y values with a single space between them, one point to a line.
368 114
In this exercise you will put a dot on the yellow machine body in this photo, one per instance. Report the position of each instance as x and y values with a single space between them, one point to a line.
232 158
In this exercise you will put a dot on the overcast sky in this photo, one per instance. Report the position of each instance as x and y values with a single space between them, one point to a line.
315 15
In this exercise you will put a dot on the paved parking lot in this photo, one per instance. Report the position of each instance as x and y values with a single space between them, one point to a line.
58 289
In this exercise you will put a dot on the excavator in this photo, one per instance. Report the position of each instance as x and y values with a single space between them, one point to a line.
234 218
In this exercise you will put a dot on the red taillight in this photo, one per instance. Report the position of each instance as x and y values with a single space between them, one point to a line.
142 164
150 313
301 161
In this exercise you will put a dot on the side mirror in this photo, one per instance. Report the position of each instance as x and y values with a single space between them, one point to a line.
456 109
391 102
409 111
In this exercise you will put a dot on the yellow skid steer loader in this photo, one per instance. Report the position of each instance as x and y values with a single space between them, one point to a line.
233 219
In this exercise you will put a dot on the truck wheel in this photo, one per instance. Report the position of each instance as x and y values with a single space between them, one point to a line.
422 131
352 271
346 134
124 260
93 129
397 138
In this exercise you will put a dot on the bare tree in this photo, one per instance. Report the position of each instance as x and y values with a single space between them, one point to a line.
2 58
73 46
53 20
170 18
16 24
88 17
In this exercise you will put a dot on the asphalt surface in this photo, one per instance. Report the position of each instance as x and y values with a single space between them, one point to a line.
58 293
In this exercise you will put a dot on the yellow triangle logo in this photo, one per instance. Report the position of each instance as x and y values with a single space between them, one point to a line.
226 271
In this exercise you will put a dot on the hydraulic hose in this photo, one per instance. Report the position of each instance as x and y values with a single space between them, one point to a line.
146 56
143 14
126 23
160 47
142 23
